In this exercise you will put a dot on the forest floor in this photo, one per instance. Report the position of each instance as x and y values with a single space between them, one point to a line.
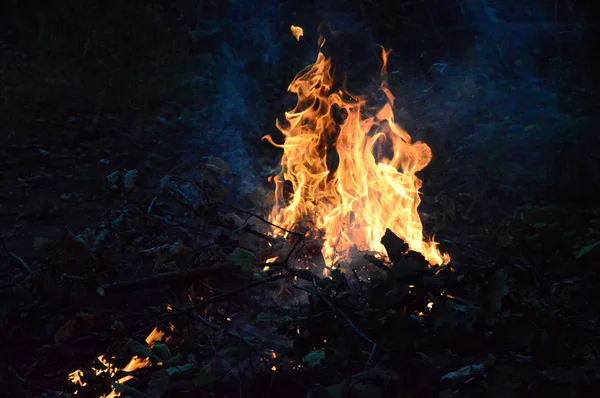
124 273
93 262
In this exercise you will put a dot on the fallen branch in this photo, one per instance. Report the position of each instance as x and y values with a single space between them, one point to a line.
248 229
16 258
251 215
242 289
170 277
22 262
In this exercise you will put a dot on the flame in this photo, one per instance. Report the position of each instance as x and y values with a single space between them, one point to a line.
373 187
297 31
155 335
133 364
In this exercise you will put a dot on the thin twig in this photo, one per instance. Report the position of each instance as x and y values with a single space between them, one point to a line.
377 262
342 315
233 335
251 231
151 205
182 227
258 217
171 277
17 258
360 288
271 385
242 289
186 205
21 261
250 215
300 239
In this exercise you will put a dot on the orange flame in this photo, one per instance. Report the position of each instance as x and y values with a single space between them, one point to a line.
133 364
374 185
297 32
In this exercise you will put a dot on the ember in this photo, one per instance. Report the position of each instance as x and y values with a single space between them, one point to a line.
372 188
135 363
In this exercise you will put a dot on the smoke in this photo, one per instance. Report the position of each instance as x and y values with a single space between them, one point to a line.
478 80
235 113
491 113
480 89
256 55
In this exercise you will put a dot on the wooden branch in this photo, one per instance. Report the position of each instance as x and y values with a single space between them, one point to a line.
170 277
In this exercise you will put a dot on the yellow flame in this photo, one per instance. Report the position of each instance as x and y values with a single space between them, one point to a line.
373 187
155 335
133 364
76 378
297 31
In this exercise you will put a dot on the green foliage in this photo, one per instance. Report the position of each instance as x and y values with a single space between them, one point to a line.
243 259
314 358
141 350
590 249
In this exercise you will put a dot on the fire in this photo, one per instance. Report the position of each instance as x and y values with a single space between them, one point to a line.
133 364
374 185
297 32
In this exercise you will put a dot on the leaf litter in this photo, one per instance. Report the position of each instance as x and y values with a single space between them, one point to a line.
231 321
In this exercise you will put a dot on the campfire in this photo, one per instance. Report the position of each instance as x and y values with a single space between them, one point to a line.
106 366
373 185
367 194
187 277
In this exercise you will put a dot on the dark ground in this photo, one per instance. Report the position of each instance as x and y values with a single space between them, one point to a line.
509 109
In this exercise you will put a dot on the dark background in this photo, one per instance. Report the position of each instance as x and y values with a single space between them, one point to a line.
504 92
84 60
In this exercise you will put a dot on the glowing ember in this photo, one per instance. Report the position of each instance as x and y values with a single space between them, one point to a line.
374 185
134 364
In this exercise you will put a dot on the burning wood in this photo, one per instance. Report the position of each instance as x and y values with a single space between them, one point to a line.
368 202
77 377
372 187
